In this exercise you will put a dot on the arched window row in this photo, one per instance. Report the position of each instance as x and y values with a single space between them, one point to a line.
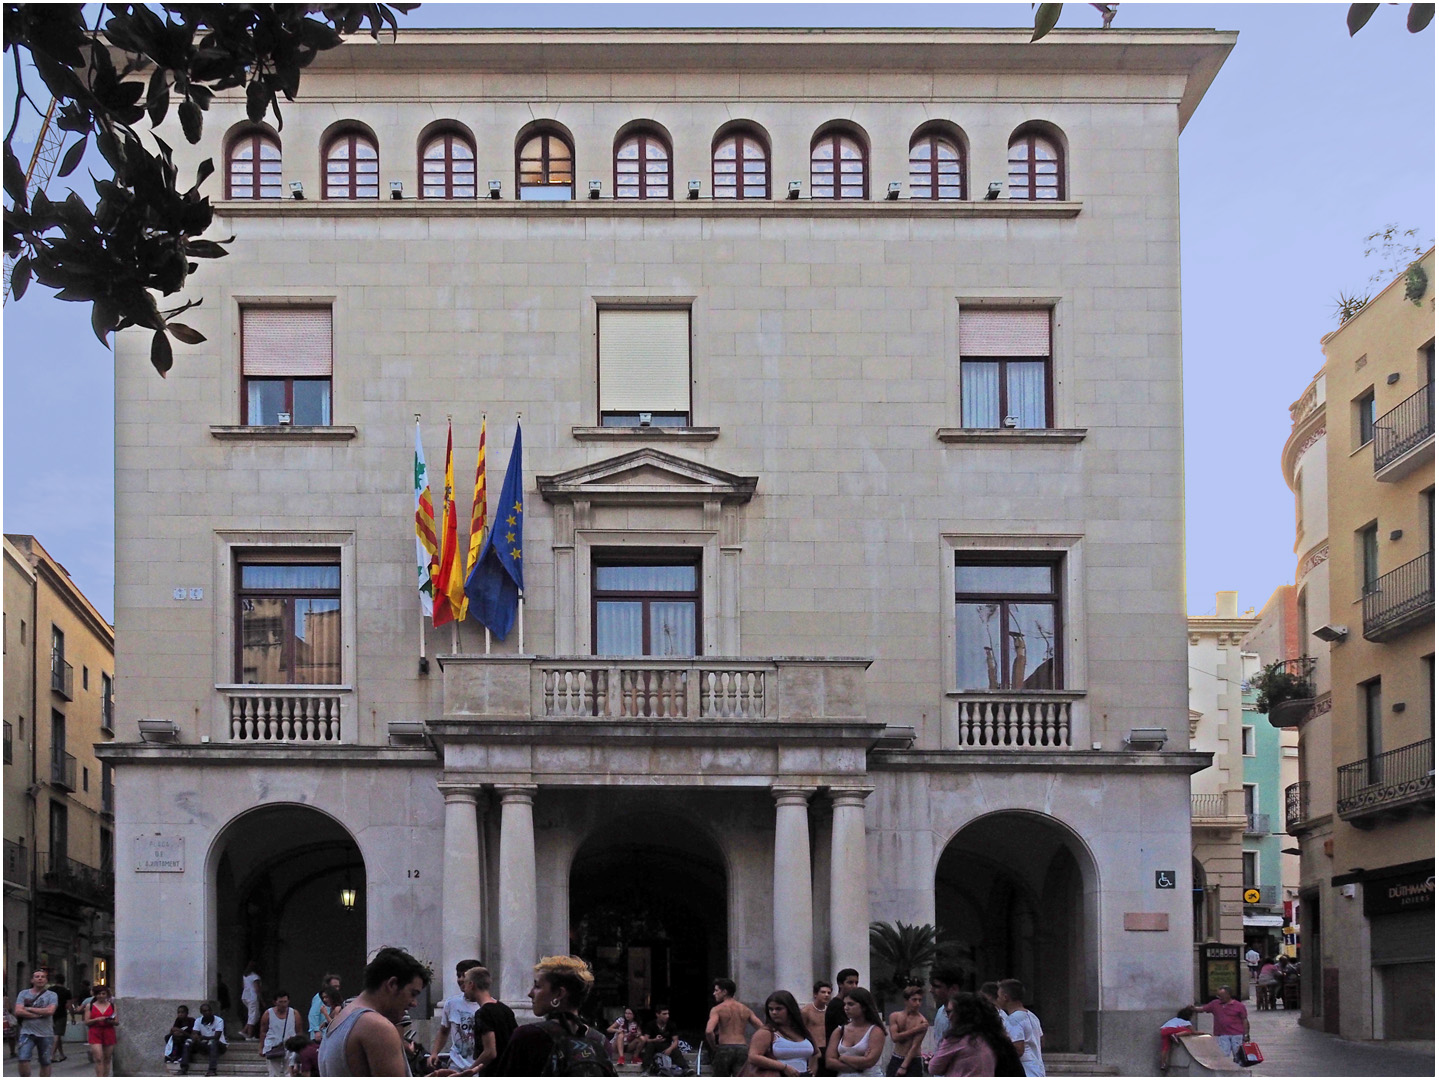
740 165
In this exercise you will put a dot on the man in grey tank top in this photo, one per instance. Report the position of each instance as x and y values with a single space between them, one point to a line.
362 1039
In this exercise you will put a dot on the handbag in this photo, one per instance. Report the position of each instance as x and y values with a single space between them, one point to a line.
1249 1055
286 1031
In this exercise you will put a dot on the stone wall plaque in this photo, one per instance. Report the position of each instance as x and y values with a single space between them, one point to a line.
159 855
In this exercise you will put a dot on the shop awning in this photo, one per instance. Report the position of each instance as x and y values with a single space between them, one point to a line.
1264 920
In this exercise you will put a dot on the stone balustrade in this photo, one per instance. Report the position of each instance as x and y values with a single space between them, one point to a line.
1023 720
720 689
275 714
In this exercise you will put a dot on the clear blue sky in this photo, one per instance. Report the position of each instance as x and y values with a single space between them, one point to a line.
1307 142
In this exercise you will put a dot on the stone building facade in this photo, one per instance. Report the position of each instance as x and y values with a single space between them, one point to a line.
59 798
853 522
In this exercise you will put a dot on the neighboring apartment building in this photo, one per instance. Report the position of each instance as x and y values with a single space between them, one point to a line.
1222 806
59 799
1363 808
849 366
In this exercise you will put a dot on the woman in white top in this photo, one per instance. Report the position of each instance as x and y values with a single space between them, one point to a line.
782 1047
250 998
861 1041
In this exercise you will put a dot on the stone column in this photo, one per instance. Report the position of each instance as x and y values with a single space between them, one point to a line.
519 919
793 893
460 884
849 883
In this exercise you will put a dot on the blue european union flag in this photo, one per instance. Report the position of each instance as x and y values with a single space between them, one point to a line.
498 577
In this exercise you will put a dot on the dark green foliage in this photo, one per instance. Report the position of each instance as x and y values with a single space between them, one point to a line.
1277 684
144 231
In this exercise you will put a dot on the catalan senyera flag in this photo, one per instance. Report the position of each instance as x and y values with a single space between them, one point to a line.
479 508
426 550
450 601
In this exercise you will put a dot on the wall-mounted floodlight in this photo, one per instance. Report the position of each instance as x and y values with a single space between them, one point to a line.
893 192
794 189
494 189
1146 738
694 189
297 189
397 189
595 188
993 192
1332 634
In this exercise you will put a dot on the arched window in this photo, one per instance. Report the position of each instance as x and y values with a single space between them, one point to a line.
1036 166
741 166
838 168
352 167
642 166
936 166
447 167
545 168
254 167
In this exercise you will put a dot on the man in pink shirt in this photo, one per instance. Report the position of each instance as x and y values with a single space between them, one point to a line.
1231 1020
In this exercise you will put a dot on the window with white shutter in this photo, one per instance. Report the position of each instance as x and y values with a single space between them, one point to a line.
644 367
286 365
1005 369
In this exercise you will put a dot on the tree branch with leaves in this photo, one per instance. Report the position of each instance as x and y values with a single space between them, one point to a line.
143 233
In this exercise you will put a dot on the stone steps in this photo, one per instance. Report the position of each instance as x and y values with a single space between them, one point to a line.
1077 1065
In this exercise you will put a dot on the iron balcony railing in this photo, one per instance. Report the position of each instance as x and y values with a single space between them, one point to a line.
62 770
62 677
1387 782
1288 688
17 864
1296 807
60 874
1404 427
1257 824
1400 600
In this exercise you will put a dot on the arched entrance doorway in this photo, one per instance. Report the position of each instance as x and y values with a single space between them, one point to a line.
648 911
282 876
1018 895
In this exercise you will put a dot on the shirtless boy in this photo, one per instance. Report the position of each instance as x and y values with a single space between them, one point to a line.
906 1029
813 1014
726 1032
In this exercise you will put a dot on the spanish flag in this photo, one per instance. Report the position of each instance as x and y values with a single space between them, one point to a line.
426 550
479 508
450 602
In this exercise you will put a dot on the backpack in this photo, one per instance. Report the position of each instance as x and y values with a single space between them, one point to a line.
571 1054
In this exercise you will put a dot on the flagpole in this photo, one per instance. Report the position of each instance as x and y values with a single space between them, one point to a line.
424 660
521 643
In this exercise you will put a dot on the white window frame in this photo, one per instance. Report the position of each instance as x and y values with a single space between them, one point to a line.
1247 744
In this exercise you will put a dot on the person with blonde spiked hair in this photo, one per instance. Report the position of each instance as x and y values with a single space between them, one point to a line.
559 1043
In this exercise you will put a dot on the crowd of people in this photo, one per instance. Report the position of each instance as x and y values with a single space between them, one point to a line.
43 1010
1275 980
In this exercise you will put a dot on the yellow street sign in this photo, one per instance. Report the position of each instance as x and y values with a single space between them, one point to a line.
1251 896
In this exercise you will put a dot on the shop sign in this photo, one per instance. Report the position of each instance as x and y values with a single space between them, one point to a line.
1413 891
1218 966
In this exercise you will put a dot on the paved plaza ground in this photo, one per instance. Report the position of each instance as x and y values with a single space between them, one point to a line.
1291 1050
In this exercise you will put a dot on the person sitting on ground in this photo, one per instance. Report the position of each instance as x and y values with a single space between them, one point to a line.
783 1046
207 1037
559 1043
976 1042
661 1054
180 1030
856 1048
626 1039
1182 1023
725 1031
363 1039
906 1031
457 1023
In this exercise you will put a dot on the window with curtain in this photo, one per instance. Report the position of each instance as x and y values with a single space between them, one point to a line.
1036 166
287 365
741 167
1005 368
545 169
288 622
838 167
936 167
642 167
644 367
646 607
253 167
352 167
1008 624
447 167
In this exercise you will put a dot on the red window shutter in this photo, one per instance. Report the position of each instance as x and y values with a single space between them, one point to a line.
286 342
983 332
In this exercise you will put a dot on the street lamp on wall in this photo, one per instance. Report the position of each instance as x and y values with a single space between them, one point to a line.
347 898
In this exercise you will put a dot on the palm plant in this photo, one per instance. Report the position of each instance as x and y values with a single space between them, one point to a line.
905 950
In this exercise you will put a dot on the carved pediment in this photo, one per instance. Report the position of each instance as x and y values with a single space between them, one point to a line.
647 477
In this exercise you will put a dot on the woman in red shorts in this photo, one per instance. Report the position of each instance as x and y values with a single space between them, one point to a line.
100 1019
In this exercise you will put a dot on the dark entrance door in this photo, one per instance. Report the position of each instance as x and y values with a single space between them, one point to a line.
648 912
